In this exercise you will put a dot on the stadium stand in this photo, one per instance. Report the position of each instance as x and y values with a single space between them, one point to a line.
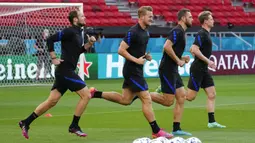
223 10
109 15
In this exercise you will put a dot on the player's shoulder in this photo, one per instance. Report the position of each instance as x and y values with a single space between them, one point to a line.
68 29
202 32
134 29
177 29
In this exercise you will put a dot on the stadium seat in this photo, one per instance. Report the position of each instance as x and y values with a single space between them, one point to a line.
223 11
220 9
105 22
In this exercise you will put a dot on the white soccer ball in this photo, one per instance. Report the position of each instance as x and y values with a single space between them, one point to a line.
193 140
155 141
177 140
142 140
162 140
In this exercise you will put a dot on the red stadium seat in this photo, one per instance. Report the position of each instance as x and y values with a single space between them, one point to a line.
113 8
87 8
100 14
90 14
95 22
105 22
122 21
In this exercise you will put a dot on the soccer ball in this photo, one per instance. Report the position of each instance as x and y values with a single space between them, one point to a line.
177 140
162 140
193 140
155 141
142 140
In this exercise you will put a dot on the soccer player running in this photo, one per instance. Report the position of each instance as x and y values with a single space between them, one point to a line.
133 48
171 83
72 45
199 75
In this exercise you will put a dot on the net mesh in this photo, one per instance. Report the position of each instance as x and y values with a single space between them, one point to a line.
24 59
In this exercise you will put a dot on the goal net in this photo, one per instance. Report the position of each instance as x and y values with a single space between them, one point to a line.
24 59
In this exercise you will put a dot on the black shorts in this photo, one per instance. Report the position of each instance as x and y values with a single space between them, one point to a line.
135 83
170 81
68 80
200 78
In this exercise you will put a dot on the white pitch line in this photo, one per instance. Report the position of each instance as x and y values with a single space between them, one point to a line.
121 111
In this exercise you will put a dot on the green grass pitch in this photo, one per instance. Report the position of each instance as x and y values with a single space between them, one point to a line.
107 122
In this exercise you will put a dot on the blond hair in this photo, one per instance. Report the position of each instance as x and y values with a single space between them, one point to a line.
204 16
142 10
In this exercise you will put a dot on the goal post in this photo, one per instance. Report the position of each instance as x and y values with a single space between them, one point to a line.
24 59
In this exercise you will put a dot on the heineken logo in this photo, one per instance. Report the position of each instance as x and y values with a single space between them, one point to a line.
26 69
17 71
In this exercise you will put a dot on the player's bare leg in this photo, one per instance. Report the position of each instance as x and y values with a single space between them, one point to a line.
191 95
178 111
211 96
165 99
148 112
147 109
124 99
168 100
127 98
80 107
84 100
52 100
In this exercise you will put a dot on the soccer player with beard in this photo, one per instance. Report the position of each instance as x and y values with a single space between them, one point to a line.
72 45
171 83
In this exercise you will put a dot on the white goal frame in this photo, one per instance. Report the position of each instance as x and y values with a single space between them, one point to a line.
30 7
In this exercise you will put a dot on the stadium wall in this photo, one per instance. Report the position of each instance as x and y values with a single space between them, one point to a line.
108 66
110 45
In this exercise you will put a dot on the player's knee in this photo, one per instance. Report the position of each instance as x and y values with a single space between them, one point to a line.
126 102
85 96
212 96
167 100
168 103
190 98
181 100
147 101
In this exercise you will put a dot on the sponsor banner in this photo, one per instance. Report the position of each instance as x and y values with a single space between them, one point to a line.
23 68
111 65
88 66
20 69
234 62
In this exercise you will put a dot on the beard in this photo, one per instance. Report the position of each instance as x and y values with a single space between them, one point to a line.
80 24
188 24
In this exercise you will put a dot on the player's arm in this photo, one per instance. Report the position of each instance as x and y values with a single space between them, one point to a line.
123 52
195 50
168 47
61 35
91 41
185 58
125 44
